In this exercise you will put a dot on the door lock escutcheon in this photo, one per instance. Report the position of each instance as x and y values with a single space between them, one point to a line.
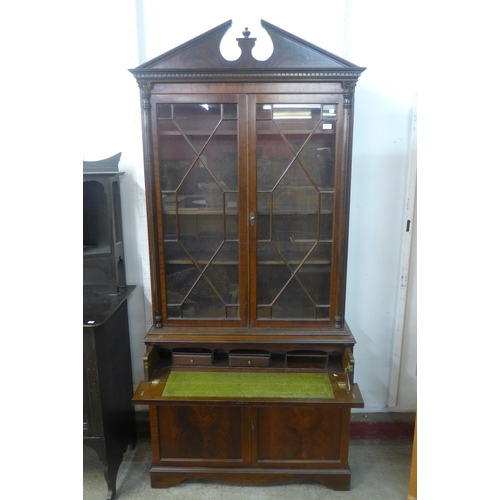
252 218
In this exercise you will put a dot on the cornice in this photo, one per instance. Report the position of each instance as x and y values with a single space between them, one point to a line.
235 75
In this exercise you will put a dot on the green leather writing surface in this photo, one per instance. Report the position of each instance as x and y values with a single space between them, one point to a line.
214 384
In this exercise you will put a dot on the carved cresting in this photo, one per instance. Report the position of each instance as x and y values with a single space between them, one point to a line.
292 59
246 45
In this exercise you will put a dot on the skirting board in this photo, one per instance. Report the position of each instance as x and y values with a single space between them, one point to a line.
382 425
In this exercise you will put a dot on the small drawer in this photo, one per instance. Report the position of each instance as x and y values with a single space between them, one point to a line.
249 359
192 357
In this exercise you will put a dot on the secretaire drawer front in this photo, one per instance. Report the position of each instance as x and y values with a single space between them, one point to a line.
192 357
241 360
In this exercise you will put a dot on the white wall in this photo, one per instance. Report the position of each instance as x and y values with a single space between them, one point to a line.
380 36
126 33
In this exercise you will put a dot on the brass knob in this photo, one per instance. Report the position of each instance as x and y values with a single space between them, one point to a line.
191 360
249 362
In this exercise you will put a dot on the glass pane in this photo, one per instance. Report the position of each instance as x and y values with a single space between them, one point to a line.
293 303
198 145
295 195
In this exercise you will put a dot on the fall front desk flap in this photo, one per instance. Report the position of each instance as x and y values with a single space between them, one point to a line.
248 385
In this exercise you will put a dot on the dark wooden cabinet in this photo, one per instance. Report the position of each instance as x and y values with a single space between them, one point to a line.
103 256
247 170
108 413
249 439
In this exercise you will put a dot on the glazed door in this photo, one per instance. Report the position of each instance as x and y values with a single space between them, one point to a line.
294 150
248 211
200 153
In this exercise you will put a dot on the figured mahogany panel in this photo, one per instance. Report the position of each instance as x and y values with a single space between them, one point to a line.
298 436
200 433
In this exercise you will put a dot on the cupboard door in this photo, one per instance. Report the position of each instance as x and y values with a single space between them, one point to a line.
300 437
198 171
191 435
295 144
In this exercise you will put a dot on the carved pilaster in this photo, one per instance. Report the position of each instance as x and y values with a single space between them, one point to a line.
348 87
146 89
149 175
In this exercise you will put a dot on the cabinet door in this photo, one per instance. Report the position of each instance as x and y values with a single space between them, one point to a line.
296 148
300 437
191 435
200 241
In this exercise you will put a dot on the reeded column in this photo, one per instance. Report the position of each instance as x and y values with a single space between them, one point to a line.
344 193
147 139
